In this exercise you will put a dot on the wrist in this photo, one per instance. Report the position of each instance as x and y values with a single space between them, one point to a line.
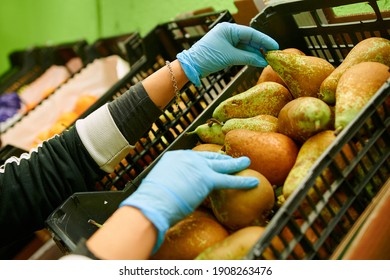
149 207
189 70
159 85
159 204
180 75
127 234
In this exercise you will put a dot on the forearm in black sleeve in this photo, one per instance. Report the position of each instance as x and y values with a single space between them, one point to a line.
134 112
35 184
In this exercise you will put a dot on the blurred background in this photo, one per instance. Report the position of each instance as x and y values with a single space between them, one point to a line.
25 23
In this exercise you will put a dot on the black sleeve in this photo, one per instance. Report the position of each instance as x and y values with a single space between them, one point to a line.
134 112
34 185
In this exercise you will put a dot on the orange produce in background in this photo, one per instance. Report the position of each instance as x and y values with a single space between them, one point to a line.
67 118
83 103
48 92
57 128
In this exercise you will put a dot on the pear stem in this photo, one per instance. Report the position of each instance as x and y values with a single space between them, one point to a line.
211 121
262 51
93 222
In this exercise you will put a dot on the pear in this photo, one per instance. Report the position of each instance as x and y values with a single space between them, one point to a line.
238 208
294 50
257 123
308 154
272 154
265 98
372 49
302 74
189 237
355 88
208 147
303 117
209 132
234 247
269 75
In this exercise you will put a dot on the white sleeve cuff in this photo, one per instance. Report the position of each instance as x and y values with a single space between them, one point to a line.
102 139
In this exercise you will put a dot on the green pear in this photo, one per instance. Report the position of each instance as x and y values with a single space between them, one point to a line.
303 74
372 49
266 98
303 117
268 74
209 132
355 88
260 123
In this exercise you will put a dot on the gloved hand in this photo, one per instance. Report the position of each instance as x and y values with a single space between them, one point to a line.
224 45
180 181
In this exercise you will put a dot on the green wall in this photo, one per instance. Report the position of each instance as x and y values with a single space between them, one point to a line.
27 23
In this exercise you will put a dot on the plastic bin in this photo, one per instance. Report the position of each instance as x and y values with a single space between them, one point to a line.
122 45
27 65
66 53
9 151
39 63
326 222
307 25
314 28
70 222
24 67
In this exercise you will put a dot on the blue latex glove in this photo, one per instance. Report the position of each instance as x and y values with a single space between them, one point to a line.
225 45
180 181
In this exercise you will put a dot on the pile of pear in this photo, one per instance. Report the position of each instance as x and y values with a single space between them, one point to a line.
283 123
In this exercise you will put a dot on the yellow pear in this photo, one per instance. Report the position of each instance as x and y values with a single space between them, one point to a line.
372 49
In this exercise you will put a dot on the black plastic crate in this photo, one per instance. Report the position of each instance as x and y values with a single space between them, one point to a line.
350 193
313 27
122 45
28 65
71 221
9 151
24 68
61 54
36 62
